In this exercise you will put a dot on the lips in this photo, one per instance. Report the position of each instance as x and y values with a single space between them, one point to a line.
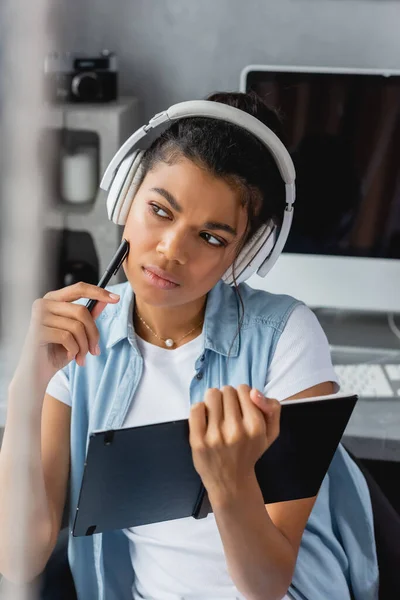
160 278
161 273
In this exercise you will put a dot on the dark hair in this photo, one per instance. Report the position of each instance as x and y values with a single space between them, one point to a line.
230 152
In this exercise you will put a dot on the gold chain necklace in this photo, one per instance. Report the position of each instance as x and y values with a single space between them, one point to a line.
169 342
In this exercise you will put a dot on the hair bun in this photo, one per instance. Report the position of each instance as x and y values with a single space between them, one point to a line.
252 104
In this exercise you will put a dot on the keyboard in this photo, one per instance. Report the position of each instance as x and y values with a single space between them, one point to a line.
370 380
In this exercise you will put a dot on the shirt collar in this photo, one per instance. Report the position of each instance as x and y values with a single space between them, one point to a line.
221 323
121 326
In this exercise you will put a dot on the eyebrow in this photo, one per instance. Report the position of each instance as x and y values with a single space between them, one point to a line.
213 225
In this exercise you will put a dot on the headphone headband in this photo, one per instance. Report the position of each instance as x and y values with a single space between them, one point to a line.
258 257
213 110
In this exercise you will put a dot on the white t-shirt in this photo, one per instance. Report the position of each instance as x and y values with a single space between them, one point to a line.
186 555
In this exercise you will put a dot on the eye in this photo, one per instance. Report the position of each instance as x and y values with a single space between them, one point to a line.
157 210
212 240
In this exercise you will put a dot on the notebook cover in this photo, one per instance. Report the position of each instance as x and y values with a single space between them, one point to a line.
141 475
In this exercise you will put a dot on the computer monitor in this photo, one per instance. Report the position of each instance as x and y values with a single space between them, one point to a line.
342 128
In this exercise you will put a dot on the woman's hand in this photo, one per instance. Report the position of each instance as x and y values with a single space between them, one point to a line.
229 432
60 331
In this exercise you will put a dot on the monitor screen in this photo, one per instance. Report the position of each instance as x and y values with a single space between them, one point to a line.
343 132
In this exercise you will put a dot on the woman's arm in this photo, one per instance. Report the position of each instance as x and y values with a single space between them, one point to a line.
260 545
260 558
47 475
59 331
291 517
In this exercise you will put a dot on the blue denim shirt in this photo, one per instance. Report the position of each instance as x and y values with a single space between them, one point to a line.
101 395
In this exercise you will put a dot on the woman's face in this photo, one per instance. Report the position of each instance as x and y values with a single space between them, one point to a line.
183 229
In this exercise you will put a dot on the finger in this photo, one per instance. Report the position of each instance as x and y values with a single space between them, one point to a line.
197 424
232 410
98 309
247 406
215 412
70 293
274 420
78 313
50 335
233 418
253 418
266 405
76 328
271 409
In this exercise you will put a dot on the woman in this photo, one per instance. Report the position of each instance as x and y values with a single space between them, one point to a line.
175 342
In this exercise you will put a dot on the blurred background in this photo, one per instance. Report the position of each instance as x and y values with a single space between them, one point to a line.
172 50
108 67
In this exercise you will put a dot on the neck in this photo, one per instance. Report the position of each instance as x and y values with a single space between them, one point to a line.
169 322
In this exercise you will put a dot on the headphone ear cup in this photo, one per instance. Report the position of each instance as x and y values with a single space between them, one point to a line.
252 255
124 187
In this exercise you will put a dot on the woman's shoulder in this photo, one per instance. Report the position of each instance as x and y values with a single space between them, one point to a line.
261 304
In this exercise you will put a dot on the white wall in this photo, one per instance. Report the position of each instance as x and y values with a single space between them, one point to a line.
174 50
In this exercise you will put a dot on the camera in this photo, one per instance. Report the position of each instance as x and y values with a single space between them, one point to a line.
75 77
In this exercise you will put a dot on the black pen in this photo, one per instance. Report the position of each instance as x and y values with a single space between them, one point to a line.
111 270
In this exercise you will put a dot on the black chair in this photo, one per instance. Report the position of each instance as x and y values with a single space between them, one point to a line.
387 537
57 582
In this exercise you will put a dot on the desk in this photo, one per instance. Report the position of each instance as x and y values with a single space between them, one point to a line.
373 431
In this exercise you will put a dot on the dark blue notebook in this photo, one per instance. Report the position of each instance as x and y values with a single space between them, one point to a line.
141 475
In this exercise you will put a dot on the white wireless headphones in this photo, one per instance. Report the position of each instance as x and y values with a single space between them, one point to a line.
123 175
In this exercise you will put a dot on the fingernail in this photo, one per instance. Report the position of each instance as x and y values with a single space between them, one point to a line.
114 296
97 350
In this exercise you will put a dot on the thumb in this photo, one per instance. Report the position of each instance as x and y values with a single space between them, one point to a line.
266 405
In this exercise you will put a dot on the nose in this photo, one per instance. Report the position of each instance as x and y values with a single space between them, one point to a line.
174 246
